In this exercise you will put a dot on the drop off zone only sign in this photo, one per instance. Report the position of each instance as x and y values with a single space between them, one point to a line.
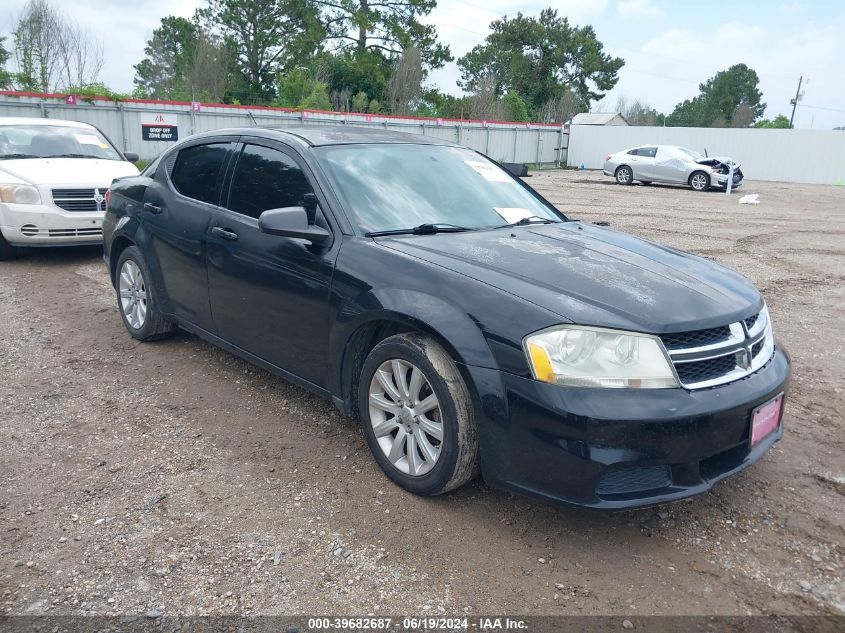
159 127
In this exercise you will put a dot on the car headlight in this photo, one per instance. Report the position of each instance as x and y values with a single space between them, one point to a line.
577 356
20 194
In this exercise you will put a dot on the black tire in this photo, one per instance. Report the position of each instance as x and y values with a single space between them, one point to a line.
624 175
457 462
154 326
7 251
646 182
696 177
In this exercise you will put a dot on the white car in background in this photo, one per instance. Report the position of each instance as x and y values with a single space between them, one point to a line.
674 165
53 181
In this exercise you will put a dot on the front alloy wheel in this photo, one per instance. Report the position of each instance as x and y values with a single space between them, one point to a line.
699 181
406 417
417 414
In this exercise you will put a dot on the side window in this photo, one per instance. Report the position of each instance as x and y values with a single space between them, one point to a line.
649 152
634 152
197 171
269 179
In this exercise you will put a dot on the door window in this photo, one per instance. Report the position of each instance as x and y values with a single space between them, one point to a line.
267 179
648 152
197 171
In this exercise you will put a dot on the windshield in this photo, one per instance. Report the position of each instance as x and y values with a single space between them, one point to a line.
692 153
396 186
50 141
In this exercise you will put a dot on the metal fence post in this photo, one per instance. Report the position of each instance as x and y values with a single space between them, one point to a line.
121 112
487 142
43 111
515 137
539 142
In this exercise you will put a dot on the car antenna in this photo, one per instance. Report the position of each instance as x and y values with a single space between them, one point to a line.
706 155
252 118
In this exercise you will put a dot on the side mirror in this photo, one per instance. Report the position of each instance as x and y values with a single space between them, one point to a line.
291 222
132 157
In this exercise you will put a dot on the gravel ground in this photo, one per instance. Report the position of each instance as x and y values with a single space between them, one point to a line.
174 478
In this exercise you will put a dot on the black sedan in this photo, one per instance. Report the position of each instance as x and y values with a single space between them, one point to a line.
465 322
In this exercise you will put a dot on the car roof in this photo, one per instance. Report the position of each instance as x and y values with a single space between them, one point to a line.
318 135
20 120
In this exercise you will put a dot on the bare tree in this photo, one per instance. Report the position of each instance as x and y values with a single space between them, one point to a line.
485 102
53 52
636 112
80 54
207 75
37 46
404 90
561 109
743 115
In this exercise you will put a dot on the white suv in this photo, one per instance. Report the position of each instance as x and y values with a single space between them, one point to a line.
54 176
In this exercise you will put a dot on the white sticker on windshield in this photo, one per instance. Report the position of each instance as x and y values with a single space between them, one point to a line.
87 139
513 214
489 171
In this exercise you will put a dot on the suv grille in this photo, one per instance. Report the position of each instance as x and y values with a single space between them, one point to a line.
706 358
81 200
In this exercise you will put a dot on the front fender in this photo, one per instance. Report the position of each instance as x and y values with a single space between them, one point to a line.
419 310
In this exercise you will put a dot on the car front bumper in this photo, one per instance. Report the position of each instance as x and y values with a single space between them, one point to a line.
619 448
44 225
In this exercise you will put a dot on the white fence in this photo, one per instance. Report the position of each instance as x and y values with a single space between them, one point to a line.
808 156
121 122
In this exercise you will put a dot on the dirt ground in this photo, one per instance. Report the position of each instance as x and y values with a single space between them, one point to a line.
174 478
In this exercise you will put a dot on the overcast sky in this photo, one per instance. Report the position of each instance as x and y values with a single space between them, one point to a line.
669 47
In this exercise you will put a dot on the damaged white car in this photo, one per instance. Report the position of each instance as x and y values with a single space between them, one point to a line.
674 165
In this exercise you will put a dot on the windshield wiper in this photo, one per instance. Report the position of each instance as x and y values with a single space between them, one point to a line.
531 219
5 156
72 156
422 229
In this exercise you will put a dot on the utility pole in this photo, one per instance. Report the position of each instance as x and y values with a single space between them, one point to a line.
794 101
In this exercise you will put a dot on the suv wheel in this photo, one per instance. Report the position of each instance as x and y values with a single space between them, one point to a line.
7 251
136 298
418 416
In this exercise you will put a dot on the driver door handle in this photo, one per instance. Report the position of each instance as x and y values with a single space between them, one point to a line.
152 208
226 234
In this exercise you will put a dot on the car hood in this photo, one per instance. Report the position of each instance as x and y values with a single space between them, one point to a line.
717 161
65 171
593 276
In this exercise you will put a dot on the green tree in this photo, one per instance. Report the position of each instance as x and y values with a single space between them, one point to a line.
515 107
540 58
779 122
384 26
267 37
720 98
360 102
162 74
5 76
302 88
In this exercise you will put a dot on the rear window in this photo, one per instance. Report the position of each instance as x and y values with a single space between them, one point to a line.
197 171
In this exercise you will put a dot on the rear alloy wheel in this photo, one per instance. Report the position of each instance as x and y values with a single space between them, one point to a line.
417 415
136 299
624 175
699 181
7 251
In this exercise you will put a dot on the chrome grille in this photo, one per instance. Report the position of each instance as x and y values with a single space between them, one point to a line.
706 358
80 200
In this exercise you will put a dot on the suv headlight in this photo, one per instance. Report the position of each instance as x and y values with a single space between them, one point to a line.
576 356
20 194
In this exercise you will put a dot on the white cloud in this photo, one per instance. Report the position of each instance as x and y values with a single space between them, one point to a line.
639 8
792 8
